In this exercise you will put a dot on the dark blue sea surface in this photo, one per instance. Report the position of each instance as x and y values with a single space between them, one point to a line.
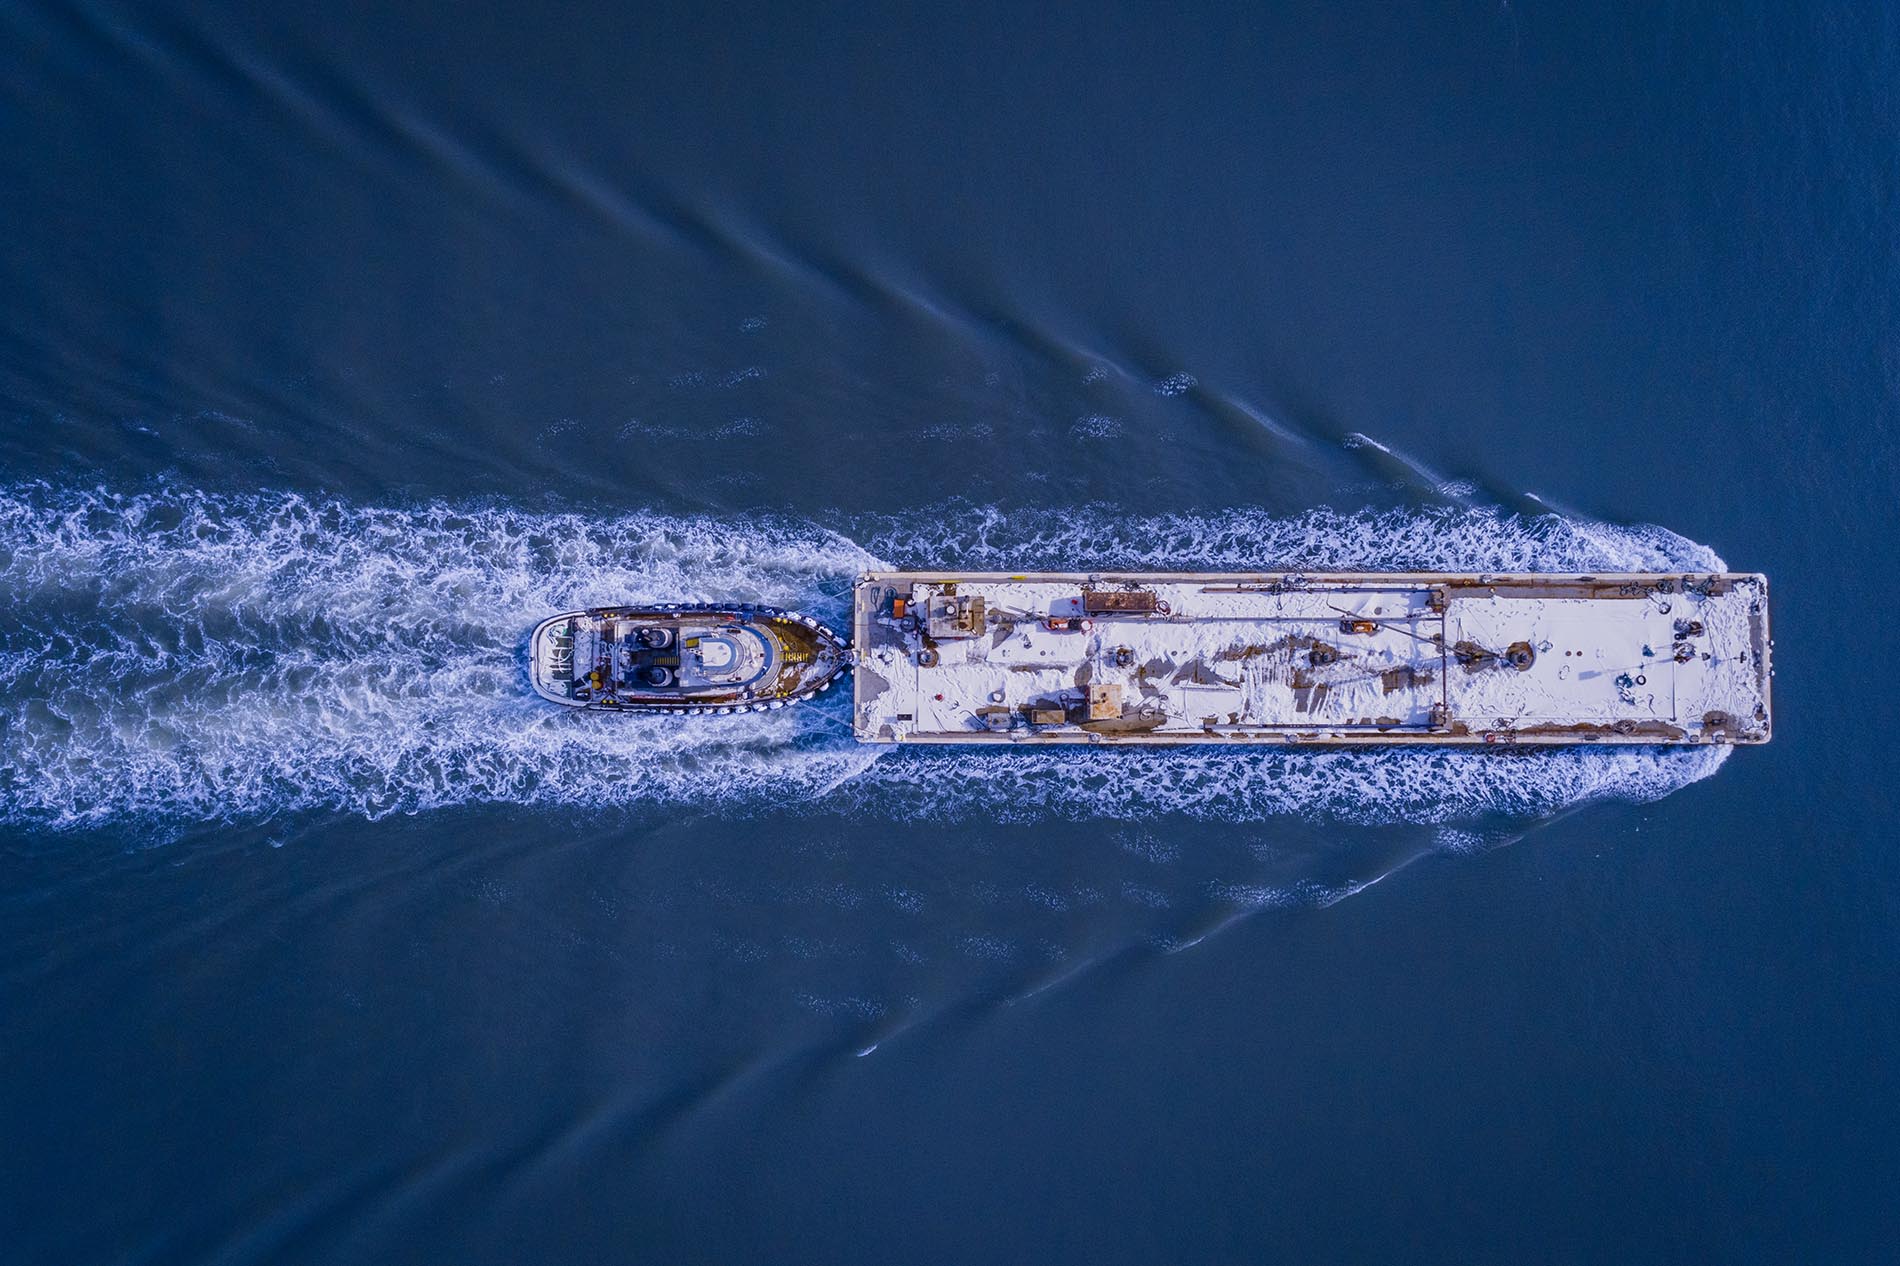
338 345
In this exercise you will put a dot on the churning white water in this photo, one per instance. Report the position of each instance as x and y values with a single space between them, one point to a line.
184 655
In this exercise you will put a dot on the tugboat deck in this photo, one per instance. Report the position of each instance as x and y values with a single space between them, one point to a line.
947 657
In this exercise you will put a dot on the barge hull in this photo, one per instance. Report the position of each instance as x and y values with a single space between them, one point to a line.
1325 659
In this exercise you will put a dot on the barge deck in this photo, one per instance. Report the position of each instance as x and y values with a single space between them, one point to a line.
1426 657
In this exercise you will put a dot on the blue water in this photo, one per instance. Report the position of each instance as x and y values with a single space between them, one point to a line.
337 347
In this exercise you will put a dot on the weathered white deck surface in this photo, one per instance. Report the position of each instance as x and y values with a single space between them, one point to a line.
1267 658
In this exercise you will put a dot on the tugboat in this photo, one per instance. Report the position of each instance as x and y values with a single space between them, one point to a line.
684 658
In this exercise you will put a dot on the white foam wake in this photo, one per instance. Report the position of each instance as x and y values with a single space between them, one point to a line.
183 655
979 537
1372 786
198 656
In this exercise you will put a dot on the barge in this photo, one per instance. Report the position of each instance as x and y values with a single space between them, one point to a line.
1284 657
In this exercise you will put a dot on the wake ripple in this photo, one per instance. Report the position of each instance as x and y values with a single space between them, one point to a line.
181 655
1100 537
